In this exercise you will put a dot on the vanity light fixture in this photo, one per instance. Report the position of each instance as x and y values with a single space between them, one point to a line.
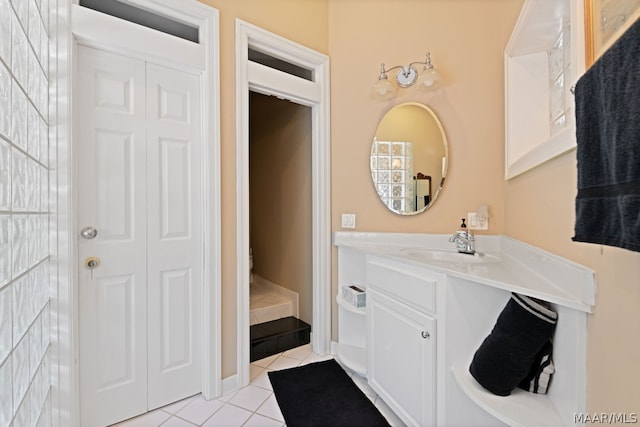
407 76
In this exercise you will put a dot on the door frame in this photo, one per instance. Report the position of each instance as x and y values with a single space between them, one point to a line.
70 25
315 94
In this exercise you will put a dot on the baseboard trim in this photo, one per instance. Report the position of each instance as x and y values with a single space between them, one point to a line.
230 384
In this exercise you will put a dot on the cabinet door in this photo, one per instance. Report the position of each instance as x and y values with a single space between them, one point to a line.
401 358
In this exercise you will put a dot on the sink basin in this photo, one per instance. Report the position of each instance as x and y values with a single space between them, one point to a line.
450 256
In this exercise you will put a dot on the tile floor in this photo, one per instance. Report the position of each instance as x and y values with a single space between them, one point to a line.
252 406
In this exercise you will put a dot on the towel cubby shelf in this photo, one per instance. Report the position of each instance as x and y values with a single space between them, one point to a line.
521 408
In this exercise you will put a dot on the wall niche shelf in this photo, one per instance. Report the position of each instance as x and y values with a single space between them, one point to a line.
351 350
543 59
361 311
353 357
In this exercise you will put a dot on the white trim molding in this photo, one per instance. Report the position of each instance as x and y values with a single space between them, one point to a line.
315 94
72 24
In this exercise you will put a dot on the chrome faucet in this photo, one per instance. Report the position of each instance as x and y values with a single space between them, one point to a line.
464 240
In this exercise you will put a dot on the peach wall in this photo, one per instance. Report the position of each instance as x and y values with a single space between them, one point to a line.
536 207
303 21
466 39
539 209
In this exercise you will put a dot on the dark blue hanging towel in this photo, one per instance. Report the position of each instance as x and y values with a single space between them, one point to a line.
607 100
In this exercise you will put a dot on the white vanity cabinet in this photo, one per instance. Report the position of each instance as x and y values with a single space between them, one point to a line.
428 310
401 339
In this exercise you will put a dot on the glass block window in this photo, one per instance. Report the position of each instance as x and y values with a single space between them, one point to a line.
392 174
559 76
24 214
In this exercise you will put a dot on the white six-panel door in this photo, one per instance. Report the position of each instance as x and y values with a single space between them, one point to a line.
174 236
139 174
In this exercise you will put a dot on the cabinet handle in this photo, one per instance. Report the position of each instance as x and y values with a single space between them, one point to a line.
425 334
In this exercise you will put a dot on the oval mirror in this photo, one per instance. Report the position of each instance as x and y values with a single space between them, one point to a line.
409 158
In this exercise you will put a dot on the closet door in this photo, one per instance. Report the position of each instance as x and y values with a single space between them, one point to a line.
174 235
112 186
139 176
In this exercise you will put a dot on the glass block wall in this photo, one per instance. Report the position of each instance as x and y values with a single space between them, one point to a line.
392 174
24 214
559 74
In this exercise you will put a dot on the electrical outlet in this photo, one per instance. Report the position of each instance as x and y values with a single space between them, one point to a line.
348 220
483 223
476 222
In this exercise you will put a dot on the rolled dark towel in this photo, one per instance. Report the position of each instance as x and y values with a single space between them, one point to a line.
539 378
508 354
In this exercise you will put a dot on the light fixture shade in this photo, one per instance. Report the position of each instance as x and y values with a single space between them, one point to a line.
383 90
406 76
429 78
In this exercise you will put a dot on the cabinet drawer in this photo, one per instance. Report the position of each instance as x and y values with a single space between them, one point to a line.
413 286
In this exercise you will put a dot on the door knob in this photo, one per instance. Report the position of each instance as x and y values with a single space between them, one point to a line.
88 233
425 334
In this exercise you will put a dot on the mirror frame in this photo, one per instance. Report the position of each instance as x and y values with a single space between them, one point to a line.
433 184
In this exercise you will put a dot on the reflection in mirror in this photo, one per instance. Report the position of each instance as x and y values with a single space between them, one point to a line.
409 158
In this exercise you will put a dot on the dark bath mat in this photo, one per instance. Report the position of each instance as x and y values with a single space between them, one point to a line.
322 394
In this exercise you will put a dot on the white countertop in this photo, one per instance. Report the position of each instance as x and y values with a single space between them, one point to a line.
500 262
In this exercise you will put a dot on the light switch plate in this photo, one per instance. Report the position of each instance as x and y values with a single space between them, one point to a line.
472 220
348 220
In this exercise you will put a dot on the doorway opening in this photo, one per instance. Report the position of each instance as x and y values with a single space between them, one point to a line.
311 91
280 224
